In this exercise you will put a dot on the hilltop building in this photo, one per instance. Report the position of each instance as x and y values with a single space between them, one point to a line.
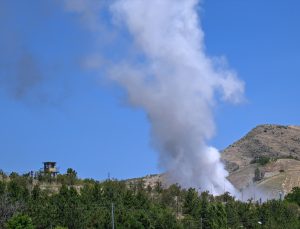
50 168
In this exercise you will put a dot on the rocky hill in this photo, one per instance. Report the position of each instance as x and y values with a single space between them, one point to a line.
269 155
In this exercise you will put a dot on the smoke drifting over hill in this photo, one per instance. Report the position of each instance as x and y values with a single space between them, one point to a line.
176 84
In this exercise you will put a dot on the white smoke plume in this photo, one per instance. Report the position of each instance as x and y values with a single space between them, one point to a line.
177 85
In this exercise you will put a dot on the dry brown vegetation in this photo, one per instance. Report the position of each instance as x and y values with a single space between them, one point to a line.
281 144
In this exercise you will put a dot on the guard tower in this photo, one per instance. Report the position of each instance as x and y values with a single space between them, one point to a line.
50 168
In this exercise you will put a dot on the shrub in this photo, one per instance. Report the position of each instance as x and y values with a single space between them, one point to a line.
263 160
20 222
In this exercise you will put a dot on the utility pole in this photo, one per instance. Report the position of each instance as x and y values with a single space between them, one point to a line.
201 223
280 195
177 205
112 216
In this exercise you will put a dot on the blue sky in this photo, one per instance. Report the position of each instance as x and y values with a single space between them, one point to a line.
69 114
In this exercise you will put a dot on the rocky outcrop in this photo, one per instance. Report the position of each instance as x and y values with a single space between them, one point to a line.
278 145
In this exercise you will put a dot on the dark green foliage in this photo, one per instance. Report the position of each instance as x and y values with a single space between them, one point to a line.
2 187
2 174
232 214
20 222
135 205
191 203
17 189
158 187
258 175
279 214
8 208
70 178
262 160
294 196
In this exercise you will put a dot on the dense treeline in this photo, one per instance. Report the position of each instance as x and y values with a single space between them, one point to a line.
25 203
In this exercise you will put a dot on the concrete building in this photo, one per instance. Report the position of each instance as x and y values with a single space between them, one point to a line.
50 168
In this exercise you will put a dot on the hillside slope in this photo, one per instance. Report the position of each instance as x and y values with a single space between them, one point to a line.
278 146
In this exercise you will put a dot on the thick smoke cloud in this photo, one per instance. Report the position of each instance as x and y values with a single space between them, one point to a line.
177 85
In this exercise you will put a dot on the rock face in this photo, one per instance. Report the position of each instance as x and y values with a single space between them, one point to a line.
278 145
